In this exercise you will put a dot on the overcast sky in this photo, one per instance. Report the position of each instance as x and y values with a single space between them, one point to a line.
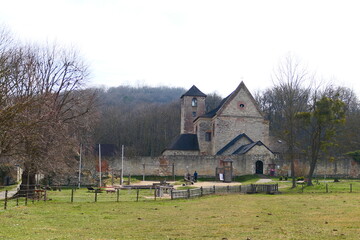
211 44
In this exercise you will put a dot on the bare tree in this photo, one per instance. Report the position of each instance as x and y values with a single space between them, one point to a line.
43 106
292 97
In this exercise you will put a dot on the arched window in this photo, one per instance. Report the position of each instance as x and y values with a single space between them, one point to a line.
194 102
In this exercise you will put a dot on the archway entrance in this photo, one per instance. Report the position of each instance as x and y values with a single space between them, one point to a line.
259 167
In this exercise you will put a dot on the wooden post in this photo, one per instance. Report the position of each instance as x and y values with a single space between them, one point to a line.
171 194
173 171
155 193
144 172
351 187
188 193
45 195
17 201
228 188
117 195
72 195
137 195
302 187
327 188
96 195
240 189
5 203
201 191
214 189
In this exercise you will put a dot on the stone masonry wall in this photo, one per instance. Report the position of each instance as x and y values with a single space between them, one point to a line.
187 110
242 165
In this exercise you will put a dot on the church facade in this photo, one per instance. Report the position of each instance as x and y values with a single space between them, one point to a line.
232 139
235 128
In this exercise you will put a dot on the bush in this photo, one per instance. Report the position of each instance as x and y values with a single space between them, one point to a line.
300 178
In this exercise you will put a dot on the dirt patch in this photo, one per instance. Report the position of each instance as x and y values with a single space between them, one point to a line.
196 184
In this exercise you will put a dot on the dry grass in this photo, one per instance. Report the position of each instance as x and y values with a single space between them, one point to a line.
284 216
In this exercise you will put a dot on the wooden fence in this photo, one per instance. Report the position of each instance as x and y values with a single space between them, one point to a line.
199 192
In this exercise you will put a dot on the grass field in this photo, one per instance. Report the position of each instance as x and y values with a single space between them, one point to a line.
308 213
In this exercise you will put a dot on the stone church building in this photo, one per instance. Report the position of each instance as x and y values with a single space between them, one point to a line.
233 139
235 128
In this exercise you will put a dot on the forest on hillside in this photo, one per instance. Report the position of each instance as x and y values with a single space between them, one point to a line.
143 119
146 119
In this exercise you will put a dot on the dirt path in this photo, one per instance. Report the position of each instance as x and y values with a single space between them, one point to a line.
196 184
263 180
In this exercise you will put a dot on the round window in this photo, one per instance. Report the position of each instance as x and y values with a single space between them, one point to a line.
241 105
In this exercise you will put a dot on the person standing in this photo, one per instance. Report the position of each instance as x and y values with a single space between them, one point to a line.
195 176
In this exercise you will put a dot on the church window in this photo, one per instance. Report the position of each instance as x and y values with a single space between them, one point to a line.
242 105
208 136
194 102
194 114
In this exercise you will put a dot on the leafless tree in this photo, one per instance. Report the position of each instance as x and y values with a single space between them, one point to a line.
291 97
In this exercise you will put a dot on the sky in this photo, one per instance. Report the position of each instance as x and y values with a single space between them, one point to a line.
211 44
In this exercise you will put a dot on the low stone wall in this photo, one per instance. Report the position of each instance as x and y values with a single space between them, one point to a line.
242 165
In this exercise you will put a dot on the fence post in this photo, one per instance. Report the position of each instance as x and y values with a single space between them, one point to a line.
327 188
201 191
214 188
173 171
137 195
171 193
45 195
5 203
240 189
155 193
228 188
72 195
17 201
188 193
351 187
117 195
96 196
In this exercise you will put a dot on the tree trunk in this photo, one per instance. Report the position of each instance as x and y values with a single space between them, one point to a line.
27 186
311 172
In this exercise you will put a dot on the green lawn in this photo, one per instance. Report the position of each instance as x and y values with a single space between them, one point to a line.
255 216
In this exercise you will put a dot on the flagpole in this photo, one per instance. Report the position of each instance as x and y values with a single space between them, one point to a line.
100 164
122 164
80 165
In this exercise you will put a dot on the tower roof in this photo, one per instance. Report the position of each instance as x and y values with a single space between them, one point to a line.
194 92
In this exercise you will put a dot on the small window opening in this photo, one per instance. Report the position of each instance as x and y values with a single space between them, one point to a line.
194 114
194 102
208 136
242 105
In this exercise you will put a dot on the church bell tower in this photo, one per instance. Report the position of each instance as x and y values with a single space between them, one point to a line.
192 106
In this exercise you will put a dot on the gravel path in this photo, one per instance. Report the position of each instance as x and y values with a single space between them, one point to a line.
11 192
263 180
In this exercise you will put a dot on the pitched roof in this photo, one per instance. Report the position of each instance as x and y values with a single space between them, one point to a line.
234 93
194 92
226 100
232 142
185 142
245 148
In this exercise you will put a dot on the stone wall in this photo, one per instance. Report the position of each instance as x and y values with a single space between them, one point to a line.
242 165
187 111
